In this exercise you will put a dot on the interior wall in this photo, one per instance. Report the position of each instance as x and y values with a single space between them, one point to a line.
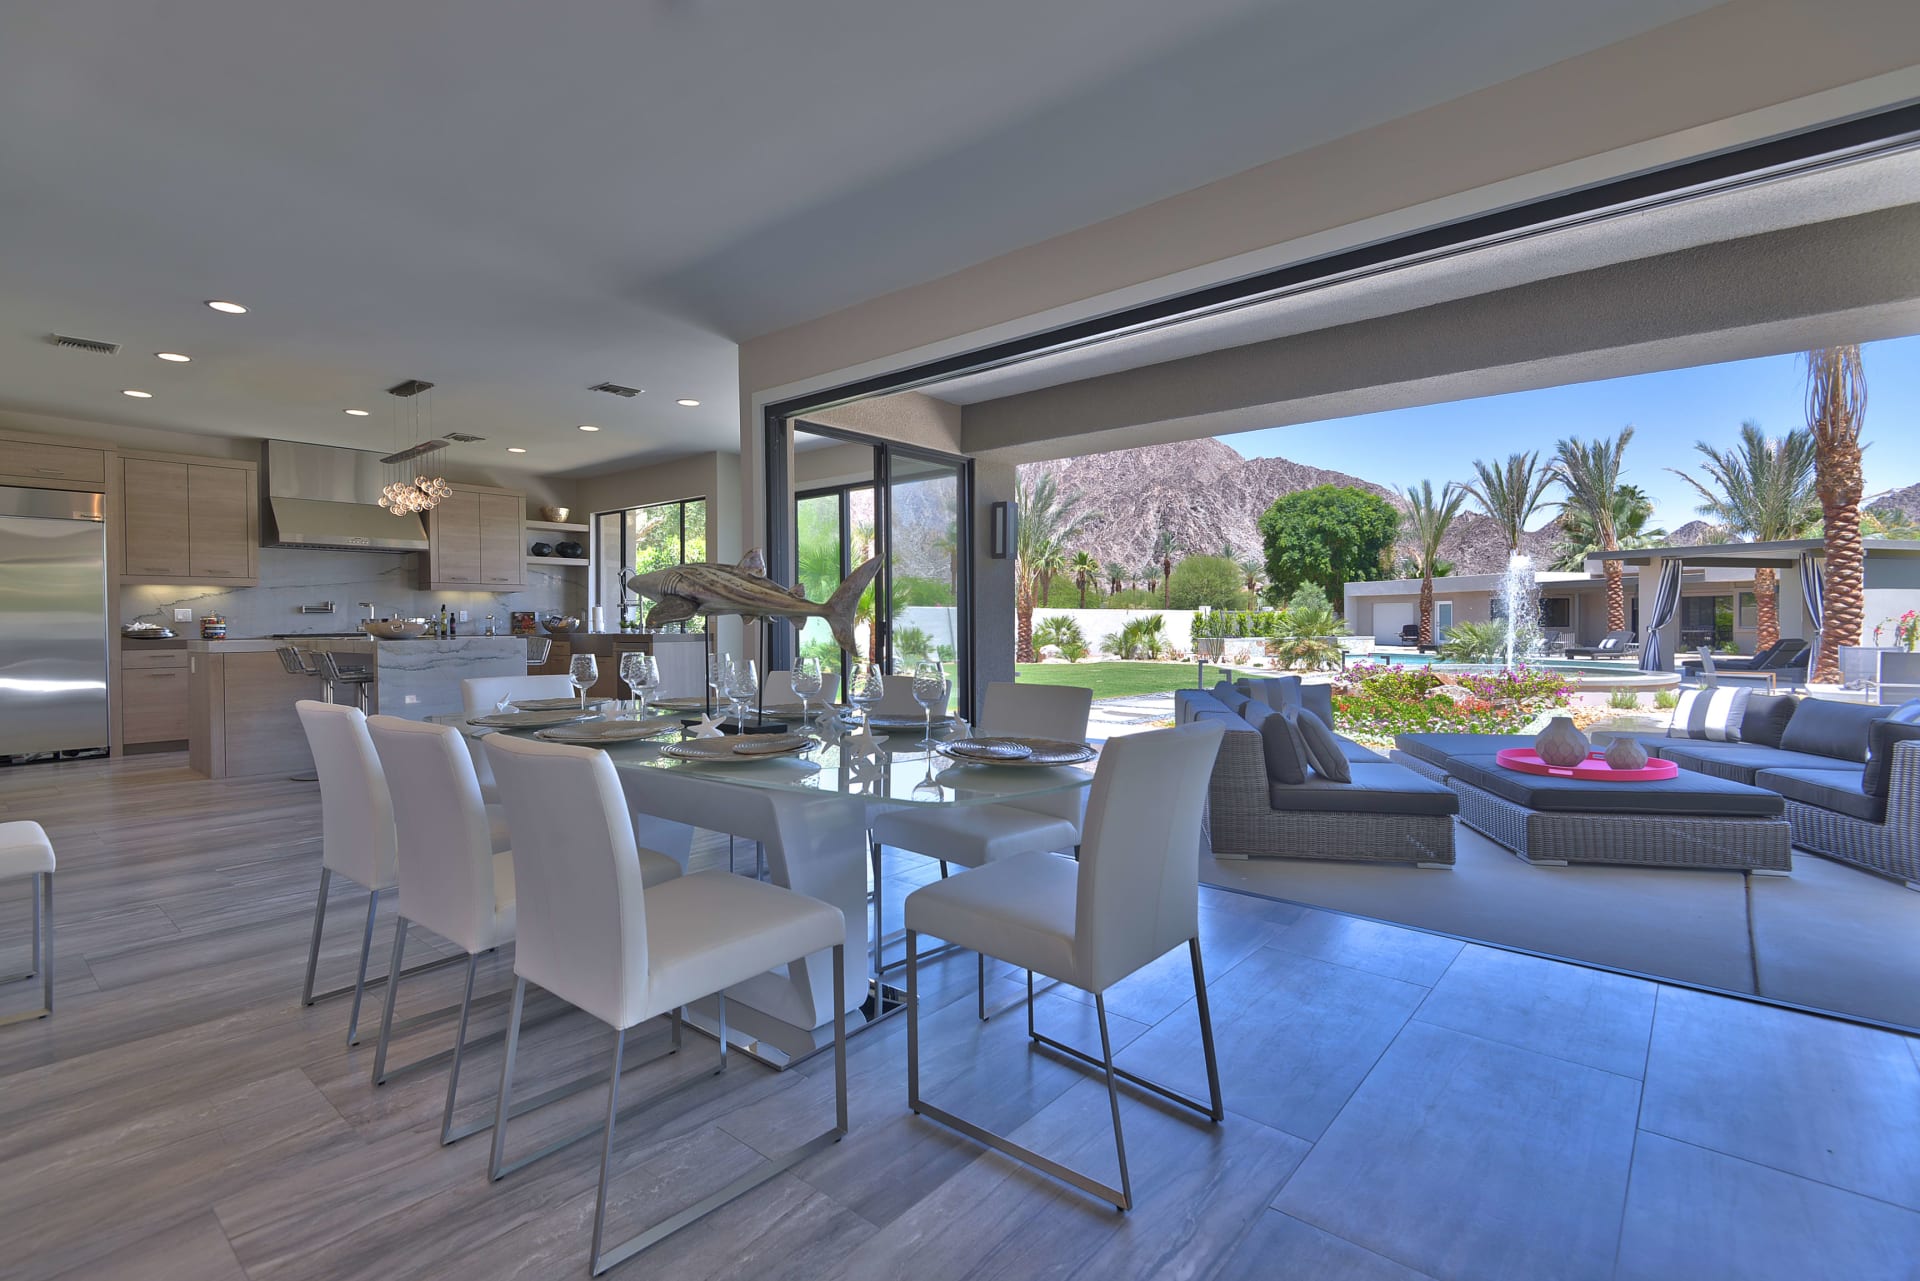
908 417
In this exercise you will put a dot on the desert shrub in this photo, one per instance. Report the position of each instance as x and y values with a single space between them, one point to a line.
1061 632
1377 702
912 643
1144 637
1666 699
1304 634
1475 643
1624 700
1208 580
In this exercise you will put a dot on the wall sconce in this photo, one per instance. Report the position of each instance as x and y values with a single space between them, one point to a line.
1003 521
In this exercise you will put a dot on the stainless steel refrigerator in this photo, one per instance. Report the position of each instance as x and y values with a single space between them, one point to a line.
53 621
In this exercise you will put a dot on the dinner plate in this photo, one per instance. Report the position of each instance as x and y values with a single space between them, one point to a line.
557 704
688 704
897 724
593 733
531 720
728 751
1041 752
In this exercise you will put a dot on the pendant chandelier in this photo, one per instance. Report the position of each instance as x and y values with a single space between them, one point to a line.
410 490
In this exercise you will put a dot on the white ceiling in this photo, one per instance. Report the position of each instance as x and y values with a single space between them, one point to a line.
515 201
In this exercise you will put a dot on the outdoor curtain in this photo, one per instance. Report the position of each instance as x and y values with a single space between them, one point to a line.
1666 599
1813 592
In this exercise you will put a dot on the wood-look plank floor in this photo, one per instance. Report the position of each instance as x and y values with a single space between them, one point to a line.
1401 1105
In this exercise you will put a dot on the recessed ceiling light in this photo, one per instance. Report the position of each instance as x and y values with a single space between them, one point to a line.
230 308
687 402
174 356
515 449
137 395
588 427
357 413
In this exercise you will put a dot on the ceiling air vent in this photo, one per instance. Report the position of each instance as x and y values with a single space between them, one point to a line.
86 344
462 438
615 389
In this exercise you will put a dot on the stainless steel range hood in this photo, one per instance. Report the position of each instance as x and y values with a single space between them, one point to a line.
324 497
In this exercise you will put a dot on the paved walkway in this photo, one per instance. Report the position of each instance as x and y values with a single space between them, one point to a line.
1114 716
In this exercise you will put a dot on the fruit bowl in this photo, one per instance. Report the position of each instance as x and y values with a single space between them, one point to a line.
395 628
557 625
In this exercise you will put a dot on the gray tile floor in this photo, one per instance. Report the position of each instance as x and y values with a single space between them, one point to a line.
1400 1105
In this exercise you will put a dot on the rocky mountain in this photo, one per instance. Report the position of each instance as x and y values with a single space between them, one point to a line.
1210 498
1905 500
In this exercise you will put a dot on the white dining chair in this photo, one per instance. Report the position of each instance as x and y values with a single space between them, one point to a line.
896 697
594 934
26 852
1131 897
482 694
975 835
357 839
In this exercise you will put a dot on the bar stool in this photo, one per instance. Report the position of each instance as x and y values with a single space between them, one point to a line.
333 673
538 647
26 851
298 664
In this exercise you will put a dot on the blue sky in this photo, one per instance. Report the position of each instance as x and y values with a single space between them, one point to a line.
1669 412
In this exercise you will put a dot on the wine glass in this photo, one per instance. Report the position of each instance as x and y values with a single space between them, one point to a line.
742 683
642 675
807 679
865 689
930 691
583 671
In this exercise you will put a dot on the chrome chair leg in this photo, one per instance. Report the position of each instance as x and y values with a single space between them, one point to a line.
313 949
41 961
1113 1101
459 1044
360 980
393 991
606 1143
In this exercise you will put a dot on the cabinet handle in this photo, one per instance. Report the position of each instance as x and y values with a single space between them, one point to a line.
46 471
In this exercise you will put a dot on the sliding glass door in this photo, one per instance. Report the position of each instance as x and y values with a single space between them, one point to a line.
855 498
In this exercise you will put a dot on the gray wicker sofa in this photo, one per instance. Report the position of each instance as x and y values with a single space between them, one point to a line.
1386 813
1848 772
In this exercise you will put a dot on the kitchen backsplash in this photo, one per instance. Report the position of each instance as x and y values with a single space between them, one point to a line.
292 577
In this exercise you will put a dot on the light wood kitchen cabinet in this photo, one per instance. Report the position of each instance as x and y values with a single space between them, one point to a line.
474 541
35 462
153 697
187 520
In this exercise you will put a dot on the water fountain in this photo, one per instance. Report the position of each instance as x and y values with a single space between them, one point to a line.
1520 605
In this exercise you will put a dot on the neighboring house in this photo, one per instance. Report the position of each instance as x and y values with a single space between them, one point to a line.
1716 595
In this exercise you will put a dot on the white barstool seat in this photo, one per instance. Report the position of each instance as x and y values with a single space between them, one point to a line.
596 935
975 835
357 839
25 852
1132 897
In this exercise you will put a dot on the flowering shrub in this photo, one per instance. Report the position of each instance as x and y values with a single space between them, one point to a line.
1378 701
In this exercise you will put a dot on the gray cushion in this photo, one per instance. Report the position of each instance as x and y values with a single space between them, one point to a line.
1235 701
1766 718
1690 795
1378 787
1440 749
1880 740
1323 749
1188 704
1739 761
1827 728
1711 714
1839 790
1354 752
1286 754
1291 691
1907 713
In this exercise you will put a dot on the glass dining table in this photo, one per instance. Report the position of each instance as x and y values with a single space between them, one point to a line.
811 814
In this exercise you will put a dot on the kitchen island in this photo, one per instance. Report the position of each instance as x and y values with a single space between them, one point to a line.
241 719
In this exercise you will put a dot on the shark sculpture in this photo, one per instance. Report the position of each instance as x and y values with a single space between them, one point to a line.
744 589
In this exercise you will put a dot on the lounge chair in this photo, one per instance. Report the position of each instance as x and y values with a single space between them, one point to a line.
1612 645
1553 642
1410 635
1782 663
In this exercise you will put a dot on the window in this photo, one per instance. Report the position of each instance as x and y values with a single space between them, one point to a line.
1749 611
1556 611
644 539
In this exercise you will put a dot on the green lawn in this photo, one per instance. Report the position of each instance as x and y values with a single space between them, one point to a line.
1118 679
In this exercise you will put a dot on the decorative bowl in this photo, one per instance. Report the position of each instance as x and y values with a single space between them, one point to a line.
540 549
558 625
570 551
395 628
558 515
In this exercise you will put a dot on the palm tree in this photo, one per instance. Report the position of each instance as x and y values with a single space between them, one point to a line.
1150 575
1632 510
1590 473
1086 572
1164 547
1046 523
1116 578
1428 518
1836 403
1762 490
1510 493
1255 573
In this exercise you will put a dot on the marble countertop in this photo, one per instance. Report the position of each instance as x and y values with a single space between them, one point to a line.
424 644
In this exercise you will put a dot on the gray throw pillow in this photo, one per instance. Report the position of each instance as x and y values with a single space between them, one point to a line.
1323 749
1907 713
1286 754
1877 781
1825 728
1766 718
1318 699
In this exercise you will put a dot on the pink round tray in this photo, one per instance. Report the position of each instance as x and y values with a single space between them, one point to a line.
1524 760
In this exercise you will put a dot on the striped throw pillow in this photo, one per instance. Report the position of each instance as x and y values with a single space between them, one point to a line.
1712 714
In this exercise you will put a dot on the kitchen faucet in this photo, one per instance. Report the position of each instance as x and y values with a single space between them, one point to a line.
373 614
